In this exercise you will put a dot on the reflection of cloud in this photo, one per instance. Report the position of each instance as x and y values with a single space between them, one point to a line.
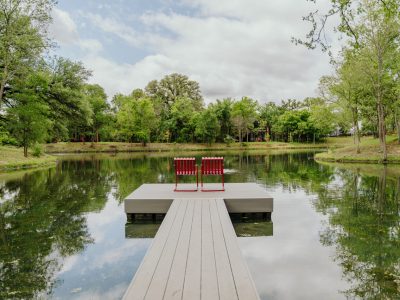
114 293
105 268
292 264
69 263
99 223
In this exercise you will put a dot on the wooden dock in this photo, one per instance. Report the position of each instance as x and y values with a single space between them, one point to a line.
194 255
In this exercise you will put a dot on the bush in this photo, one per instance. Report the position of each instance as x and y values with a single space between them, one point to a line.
37 150
229 140
6 139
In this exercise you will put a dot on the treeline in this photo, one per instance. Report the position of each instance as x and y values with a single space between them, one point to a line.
172 110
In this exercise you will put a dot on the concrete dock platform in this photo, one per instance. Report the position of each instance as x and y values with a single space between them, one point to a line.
238 197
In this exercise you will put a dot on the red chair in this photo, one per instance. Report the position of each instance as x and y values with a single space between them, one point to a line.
212 166
186 167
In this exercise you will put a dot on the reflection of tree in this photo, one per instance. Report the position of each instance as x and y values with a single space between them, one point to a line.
41 219
364 227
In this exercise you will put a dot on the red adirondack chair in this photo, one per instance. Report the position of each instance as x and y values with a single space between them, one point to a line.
186 167
212 166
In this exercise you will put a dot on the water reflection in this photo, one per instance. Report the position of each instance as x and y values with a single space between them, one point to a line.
364 227
335 230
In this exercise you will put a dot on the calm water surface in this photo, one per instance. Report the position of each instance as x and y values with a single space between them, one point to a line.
335 231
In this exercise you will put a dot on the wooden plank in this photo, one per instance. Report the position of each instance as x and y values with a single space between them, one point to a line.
192 284
226 284
244 283
209 281
176 278
160 278
141 281
194 255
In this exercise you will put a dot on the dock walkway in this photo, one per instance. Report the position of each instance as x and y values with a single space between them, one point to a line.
194 255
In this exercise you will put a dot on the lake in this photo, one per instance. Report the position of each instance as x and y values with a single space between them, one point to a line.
334 232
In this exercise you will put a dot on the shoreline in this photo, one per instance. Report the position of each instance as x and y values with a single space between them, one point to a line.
336 150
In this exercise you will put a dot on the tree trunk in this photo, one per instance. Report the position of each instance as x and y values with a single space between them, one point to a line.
381 111
382 130
26 150
357 138
3 83
397 121
97 135
240 135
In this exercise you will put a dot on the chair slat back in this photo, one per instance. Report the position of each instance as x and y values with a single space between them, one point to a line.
185 165
212 165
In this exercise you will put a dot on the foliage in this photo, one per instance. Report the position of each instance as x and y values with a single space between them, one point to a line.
244 114
37 150
207 126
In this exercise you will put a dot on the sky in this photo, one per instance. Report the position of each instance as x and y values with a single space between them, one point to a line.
232 48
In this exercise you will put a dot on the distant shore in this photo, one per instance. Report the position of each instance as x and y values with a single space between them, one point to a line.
174 147
370 152
340 149
12 158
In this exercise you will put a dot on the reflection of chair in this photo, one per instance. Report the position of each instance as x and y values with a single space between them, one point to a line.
186 167
212 166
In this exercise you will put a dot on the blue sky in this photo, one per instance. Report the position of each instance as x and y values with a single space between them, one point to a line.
233 48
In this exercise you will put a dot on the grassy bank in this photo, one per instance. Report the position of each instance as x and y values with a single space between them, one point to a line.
12 158
370 152
175 147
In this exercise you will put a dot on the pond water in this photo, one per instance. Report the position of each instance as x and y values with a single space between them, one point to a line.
334 231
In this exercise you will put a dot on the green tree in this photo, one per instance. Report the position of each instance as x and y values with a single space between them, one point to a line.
175 86
181 124
244 113
269 114
207 126
223 112
28 116
70 110
136 119
23 29
97 99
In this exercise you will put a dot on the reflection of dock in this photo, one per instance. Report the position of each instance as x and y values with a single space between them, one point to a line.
195 254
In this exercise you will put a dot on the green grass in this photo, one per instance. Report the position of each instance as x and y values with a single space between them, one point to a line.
12 158
159 147
370 151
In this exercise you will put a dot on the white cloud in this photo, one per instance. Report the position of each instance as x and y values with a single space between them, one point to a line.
232 48
65 31
63 28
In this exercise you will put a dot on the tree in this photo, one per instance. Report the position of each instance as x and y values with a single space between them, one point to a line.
70 110
347 12
136 119
175 86
180 123
349 89
97 99
223 112
207 126
244 114
23 25
378 42
269 114
28 116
